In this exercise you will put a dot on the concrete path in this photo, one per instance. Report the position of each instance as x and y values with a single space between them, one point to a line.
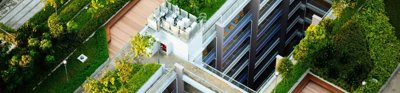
131 24
16 12
393 86
196 73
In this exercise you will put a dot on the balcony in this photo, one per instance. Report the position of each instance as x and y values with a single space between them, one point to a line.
270 22
210 57
267 9
227 65
237 59
268 38
241 24
236 44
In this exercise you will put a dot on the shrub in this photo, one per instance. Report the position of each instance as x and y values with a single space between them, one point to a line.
49 59
45 44
284 66
32 42
55 25
72 26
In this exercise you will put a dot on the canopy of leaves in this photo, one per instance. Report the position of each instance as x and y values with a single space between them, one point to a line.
140 44
359 45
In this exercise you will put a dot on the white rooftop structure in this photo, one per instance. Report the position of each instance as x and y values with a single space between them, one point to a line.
176 32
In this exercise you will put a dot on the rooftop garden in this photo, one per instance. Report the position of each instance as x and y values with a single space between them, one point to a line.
196 7
130 73
49 37
360 45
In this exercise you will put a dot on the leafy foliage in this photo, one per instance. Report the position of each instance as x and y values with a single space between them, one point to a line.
113 82
359 45
46 39
284 66
140 44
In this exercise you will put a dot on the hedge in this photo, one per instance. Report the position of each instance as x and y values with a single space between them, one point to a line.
360 45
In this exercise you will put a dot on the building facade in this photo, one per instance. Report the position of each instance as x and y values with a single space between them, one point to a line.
248 35
241 40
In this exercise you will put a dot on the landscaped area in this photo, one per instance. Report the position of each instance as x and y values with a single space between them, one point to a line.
48 38
196 7
130 74
359 45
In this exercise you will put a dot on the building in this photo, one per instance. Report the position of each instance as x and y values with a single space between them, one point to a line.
240 41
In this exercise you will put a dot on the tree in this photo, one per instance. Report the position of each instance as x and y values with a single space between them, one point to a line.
14 60
140 44
53 3
50 59
25 60
45 44
124 71
55 25
284 66
72 26
32 42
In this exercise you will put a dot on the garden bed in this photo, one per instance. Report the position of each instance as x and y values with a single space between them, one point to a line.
54 49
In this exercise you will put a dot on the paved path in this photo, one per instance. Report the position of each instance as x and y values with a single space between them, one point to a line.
196 73
394 84
131 24
16 12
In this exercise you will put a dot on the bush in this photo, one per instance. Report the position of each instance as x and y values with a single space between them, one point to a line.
284 66
111 81
359 45
72 26
49 59
55 25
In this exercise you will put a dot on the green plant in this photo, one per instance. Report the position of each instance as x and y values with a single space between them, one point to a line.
55 26
140 43
45 44
284 66
49 59
72 26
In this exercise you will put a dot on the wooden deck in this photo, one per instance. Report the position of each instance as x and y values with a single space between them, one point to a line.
121 31
313 84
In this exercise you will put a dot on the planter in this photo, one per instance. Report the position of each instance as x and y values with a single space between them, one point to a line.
146 86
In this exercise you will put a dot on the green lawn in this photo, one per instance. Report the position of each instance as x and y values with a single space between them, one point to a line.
97 52
393 12
293 76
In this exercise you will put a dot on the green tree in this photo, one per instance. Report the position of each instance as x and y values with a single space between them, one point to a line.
50 59
33 42
124 71
45 44
25 61
140 44
55 25
284 66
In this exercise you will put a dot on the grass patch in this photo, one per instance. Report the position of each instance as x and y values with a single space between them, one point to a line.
196 7
293 76
97 52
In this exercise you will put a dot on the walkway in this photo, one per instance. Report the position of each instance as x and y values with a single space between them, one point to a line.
130 24
196 73
15 12
393 86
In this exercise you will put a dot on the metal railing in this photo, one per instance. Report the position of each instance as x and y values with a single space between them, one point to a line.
228 78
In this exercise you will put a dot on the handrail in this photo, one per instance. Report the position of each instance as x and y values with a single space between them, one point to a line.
228 78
